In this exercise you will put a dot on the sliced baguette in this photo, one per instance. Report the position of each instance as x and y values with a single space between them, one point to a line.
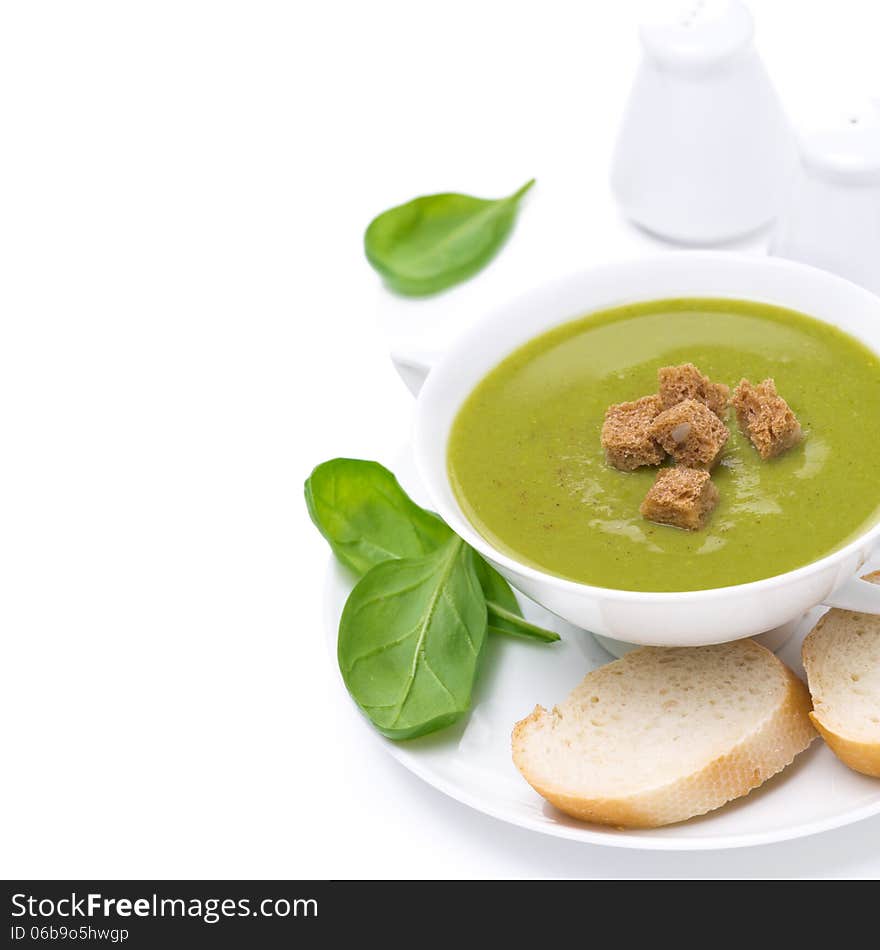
662 735
841 655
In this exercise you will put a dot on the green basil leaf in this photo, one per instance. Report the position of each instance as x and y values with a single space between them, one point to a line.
410 640
505 613
508 624
495 587
435 241
367 517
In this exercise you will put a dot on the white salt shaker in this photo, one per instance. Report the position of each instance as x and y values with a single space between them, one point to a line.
705 148
832 216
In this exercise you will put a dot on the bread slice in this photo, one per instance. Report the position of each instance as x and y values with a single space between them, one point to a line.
841 655
664 734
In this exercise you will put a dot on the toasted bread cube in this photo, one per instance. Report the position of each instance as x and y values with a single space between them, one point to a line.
681 497
765 418
625 434
691 433
678 383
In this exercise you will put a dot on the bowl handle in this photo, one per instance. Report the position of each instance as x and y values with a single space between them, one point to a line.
857 594
414 366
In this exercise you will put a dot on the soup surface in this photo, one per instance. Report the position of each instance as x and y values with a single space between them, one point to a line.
527 466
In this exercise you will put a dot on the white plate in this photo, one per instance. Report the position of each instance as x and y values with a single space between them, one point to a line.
471 761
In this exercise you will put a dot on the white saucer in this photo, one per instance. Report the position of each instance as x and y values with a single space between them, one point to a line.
471 761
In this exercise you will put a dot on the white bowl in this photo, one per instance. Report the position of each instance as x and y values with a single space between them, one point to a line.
665 619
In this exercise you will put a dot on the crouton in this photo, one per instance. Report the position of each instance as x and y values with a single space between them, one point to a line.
625 436
691 433
681 497
765 418
678 383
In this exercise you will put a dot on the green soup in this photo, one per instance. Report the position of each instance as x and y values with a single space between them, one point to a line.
527 466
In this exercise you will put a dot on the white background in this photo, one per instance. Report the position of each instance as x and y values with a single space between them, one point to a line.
187 326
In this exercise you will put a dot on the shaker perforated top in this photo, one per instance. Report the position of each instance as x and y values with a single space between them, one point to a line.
695 35
848 151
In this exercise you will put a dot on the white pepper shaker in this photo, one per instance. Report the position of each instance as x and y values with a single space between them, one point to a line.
832 215
705 149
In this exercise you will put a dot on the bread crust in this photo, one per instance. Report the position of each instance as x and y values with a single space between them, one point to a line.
858 755
691 433
625 437
683 497
732 775
861 757
765 418
685 381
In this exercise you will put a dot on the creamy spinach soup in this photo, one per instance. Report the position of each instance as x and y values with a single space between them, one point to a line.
528 469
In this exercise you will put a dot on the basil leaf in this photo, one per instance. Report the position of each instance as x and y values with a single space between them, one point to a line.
367 518
505 614
495 587
410 640
433 242
508 624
